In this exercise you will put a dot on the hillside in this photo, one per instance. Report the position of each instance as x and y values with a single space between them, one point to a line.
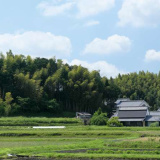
37 85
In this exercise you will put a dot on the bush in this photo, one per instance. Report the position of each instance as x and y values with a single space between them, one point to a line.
113 122
99 118
155 124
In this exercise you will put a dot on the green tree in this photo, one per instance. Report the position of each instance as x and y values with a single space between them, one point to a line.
8 101
99 118
114 122
2 107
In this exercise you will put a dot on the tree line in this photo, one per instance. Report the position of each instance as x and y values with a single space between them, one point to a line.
140 86
48 85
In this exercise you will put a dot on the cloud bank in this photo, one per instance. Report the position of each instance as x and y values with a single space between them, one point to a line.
112 44
139 13
52 9
152 55
36 44
82 8
93 7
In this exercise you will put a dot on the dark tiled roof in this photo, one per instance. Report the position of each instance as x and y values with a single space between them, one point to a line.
135 103
151 118
121 100
132 114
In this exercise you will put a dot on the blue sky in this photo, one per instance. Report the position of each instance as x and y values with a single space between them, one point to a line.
113 36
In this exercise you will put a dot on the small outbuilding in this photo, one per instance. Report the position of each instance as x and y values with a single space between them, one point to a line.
84 116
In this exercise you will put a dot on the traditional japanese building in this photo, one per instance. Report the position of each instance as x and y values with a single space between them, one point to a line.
135 113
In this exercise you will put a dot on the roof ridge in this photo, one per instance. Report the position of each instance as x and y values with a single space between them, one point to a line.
133 100
134 106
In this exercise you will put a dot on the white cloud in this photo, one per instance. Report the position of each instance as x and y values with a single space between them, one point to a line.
54 9
43 44
92 7
82 8
112 44
105 68
139 13
152 55
91 23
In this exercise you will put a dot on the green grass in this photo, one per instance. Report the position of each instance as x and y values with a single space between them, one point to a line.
76 140
37 121
69 131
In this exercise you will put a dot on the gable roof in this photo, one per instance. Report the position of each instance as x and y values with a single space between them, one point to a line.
133 103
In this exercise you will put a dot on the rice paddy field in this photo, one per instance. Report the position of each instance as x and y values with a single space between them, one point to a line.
18 140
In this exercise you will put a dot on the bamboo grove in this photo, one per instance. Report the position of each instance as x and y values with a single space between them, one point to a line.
48 85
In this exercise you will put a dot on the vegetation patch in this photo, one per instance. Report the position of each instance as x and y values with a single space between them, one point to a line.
79 141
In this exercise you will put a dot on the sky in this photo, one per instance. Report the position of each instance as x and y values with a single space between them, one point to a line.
112 36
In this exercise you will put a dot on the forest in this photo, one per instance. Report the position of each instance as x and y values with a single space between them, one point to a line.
36 85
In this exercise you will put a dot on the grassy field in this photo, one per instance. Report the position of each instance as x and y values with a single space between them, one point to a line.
17 137
37 121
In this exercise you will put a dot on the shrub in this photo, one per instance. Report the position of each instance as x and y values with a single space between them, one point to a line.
8 101
99 118
155 124
113 122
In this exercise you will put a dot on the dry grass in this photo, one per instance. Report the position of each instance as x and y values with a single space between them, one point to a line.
157 139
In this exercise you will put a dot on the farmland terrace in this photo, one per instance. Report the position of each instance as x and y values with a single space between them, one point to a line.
76 141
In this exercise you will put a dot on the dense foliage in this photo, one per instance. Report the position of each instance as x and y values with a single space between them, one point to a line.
142 85
48 85
99 118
